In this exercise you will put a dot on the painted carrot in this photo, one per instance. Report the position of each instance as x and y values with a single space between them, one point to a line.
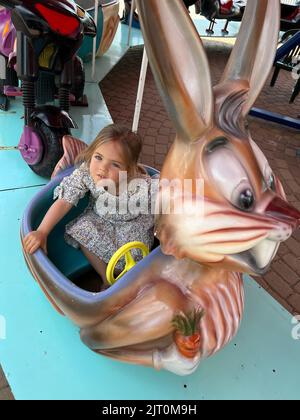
187 332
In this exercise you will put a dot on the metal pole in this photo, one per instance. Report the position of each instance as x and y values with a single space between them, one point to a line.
276 118
140 92
130 22
95 40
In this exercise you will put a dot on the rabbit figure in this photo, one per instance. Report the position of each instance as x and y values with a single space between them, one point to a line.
245 215
186 301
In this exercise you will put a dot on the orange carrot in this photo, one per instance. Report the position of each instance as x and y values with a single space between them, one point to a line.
187 334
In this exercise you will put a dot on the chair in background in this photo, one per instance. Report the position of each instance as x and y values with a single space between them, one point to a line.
289 62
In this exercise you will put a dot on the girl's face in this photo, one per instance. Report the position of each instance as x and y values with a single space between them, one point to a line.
106 163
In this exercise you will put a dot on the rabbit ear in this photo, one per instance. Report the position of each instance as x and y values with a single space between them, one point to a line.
254 51
179 65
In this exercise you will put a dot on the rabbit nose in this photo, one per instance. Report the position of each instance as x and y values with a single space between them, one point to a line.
280 209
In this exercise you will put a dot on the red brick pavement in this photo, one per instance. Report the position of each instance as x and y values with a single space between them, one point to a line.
5 392
279 145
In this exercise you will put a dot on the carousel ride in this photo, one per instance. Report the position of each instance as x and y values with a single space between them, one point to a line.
223 10
184 301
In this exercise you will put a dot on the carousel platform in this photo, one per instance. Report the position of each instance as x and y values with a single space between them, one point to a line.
40 351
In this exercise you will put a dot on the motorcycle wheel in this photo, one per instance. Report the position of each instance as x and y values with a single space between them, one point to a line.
52 144
78 79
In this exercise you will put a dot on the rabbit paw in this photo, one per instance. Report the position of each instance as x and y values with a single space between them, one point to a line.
173 361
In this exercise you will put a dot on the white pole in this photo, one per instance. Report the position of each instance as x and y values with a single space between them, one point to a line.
130 22
95 40
140 92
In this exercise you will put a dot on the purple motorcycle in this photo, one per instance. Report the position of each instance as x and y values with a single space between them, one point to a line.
38 45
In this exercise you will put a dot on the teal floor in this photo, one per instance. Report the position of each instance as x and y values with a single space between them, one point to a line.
42 355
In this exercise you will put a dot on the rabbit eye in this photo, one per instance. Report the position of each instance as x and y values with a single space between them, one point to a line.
269 178
271 183
246 200
231 179
243 197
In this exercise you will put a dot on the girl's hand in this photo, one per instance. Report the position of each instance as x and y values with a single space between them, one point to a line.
35 240
38 238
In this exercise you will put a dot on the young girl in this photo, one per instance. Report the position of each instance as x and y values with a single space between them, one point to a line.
100 235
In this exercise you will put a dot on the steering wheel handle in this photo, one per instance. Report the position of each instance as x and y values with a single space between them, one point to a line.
124 251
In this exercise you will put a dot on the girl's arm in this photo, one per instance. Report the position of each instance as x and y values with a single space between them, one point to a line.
38 238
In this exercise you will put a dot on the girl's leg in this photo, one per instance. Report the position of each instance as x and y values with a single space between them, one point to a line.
97 264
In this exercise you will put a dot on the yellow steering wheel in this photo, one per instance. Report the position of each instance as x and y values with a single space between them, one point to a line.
129 261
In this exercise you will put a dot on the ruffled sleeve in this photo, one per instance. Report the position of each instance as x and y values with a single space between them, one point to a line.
73 187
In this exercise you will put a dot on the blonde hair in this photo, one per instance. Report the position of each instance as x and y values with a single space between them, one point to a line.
130 142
